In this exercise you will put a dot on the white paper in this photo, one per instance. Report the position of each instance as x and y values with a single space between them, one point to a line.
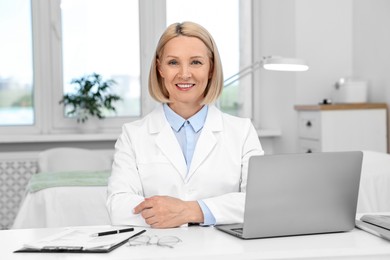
78 238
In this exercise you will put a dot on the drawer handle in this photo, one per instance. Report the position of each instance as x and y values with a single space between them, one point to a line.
309 124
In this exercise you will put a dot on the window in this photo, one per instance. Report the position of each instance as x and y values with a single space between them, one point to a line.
16 65
102 36
225 29
115 38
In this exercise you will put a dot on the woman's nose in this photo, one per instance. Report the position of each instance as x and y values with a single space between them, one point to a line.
185 72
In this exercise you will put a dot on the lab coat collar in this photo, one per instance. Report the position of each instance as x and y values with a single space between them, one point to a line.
166 140
168 144
177 122
207 139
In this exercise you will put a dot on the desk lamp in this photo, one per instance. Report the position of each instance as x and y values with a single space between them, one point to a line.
269 63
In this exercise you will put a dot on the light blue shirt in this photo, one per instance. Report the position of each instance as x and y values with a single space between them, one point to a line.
187 133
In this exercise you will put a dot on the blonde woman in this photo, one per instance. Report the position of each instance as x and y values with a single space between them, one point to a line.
186 161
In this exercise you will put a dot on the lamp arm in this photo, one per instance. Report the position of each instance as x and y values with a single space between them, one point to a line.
273 62
242 73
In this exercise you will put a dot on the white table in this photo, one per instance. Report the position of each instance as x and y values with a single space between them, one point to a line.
209 243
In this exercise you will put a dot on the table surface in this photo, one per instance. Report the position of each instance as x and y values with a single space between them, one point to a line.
209 243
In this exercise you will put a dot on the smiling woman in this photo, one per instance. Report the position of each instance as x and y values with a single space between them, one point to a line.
185 69
186 161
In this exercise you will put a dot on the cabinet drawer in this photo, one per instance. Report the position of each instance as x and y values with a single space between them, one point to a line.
309 125
309 146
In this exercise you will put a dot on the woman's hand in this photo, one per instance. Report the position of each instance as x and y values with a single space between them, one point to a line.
167 212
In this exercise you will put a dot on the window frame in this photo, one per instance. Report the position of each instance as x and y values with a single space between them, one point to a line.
47 67
35 128
61 124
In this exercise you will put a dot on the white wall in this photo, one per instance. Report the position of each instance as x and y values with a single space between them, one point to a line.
324 39
371 53
274 91
337 38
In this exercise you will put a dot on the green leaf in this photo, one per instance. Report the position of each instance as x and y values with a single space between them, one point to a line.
92 94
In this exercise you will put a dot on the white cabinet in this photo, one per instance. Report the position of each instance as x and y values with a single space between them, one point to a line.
342 127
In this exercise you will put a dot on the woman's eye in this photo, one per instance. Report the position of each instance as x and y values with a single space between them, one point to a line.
172 62
197 62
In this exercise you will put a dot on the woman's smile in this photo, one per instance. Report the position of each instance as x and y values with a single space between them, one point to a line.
184 86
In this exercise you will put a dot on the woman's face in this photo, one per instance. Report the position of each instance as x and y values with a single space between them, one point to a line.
185 68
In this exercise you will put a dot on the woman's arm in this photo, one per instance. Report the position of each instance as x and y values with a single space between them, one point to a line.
124 186
229 208
166 212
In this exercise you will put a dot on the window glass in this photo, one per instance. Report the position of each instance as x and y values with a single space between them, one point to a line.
16 65
102 36
221 19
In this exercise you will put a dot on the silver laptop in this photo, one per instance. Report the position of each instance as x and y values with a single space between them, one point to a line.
298 194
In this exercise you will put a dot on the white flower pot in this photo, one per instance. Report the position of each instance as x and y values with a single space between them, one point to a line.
92 125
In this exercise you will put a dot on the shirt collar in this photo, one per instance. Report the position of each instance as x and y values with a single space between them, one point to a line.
196 121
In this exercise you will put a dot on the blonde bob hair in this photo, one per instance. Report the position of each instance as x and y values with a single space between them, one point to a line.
214 87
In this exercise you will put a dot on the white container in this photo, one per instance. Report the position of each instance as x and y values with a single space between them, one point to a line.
350 91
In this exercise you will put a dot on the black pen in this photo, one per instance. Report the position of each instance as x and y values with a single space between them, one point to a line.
112 232
137 234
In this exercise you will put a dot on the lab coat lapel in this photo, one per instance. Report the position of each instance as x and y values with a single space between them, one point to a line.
167 142
207 139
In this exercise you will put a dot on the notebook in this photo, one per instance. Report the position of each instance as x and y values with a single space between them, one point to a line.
299 194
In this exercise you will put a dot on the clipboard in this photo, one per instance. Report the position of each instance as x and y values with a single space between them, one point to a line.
77 241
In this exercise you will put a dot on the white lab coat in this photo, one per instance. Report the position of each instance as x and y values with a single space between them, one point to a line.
149 161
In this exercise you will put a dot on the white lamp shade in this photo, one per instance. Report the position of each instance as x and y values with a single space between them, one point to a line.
269 63
284 64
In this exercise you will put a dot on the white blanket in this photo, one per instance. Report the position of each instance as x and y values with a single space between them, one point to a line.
64 206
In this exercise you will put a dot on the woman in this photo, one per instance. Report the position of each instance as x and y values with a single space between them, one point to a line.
185 162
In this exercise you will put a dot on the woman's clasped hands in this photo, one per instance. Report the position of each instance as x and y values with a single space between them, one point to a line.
168 212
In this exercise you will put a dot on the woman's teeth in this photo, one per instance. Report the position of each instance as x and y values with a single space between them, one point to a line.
184 85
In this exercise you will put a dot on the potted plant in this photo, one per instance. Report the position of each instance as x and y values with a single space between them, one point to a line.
91 98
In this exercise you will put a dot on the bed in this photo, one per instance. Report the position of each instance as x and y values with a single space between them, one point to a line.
53 200
70 189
